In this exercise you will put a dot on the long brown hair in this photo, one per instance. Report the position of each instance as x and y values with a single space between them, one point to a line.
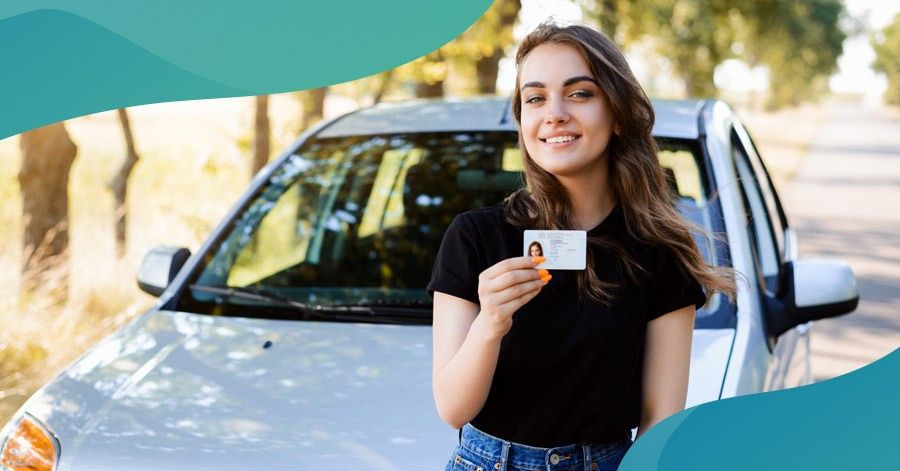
637 179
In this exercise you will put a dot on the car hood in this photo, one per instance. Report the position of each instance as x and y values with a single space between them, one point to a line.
183 391
176 391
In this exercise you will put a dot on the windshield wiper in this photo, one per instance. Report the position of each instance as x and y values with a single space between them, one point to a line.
414 304
269 297
364 311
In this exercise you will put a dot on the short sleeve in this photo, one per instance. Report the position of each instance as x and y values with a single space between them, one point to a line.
673 287
456 267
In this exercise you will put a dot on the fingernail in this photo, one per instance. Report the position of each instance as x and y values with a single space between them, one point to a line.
538 259
545 279
542 272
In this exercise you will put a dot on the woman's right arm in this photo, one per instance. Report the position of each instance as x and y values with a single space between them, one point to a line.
467 338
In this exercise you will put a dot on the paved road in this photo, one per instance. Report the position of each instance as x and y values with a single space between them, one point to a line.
845 203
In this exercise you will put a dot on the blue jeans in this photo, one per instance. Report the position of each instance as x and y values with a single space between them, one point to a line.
478 451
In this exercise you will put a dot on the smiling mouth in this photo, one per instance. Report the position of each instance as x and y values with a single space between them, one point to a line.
559 139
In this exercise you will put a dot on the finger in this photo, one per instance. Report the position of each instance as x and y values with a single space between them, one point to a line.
515 303
506 282
514 277
513 263
519 291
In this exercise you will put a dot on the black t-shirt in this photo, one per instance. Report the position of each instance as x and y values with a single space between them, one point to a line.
568 371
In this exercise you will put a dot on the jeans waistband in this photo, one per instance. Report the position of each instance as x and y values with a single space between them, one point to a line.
518 455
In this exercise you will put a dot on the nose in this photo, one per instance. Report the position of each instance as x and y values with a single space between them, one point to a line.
555 112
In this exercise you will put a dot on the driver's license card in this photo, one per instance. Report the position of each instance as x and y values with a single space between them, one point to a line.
563 250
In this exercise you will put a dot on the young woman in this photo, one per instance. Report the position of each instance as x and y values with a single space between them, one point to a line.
554 375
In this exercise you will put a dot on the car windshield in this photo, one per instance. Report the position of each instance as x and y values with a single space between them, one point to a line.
357 221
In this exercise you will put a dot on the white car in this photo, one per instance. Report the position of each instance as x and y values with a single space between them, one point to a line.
298 336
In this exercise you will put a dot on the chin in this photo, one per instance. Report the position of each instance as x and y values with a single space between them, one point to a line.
561 170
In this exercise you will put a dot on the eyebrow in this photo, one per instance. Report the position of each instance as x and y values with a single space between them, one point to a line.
573 80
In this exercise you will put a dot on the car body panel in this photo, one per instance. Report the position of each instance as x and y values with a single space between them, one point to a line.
750 357
186 391
709 358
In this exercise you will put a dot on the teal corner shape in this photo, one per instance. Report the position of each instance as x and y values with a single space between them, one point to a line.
64 59
847 422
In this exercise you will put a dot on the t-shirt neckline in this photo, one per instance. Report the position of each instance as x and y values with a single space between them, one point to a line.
607 220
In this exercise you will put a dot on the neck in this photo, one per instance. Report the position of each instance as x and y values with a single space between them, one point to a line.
591 197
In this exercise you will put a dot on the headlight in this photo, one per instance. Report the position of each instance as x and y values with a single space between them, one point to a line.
29 446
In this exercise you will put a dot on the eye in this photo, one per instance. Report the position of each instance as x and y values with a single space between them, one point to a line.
533 99
582 94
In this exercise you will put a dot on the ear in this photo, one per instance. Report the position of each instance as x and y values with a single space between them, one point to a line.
617 130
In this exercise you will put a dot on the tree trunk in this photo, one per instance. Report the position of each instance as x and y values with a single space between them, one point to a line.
386 78
261 134
430 90
486 68
314 110
47 157
119 183
609 18
312 106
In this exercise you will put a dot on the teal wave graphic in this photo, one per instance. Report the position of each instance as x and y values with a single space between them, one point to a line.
73 58
51 81
848 422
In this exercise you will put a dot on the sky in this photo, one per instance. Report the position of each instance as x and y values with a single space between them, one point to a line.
854 74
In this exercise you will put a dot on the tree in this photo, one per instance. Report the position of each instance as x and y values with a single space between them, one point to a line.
800 42
119 183
692 34
47 157
887 58
384 84
312 106
431 71
486 42
623 21
476 53
260 133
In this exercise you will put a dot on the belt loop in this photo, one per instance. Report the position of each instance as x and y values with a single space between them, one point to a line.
586 448
504 456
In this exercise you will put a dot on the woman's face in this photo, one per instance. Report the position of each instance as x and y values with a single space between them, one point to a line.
536 251
566 120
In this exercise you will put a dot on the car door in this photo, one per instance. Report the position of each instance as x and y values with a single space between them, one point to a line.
789 362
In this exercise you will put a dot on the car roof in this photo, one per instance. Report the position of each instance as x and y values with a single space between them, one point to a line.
674 118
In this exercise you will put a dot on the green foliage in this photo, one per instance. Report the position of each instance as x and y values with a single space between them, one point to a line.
622 20
887 58
697 38
799 41
695 35
487 39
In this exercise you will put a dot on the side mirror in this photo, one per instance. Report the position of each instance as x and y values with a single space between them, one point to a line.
814 289
159 267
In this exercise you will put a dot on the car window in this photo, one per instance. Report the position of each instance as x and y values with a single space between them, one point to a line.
758 217
360 219
353 220
767 187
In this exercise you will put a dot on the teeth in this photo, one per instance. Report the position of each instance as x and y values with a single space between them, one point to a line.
554 140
